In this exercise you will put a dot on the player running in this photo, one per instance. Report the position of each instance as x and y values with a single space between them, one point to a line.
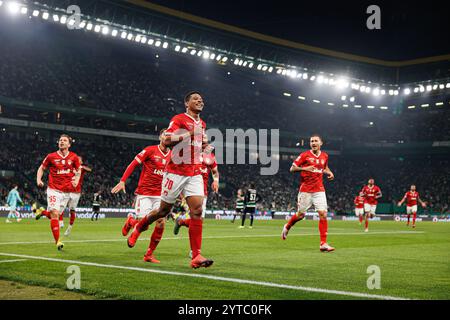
148 192
62 179
208 165
239 204
250 199
371 194
359 206
312 165
75 196
12 200
186 133
412 197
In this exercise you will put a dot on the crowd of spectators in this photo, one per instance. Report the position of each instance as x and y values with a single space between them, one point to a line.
108 157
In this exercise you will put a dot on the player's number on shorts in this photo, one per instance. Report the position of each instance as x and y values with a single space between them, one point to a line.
52 199
169 184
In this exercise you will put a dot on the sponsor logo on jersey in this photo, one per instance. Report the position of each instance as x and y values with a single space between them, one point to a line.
158 172
66 171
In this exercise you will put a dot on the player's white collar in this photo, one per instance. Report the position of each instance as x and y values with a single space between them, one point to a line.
61 155
196 121
320 152
164 154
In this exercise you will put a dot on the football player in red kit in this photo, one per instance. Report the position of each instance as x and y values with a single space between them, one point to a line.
148 193
359 206
64 175
371 194
412 197
187 135
312 165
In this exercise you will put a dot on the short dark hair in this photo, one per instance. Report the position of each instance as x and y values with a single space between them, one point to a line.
162 131
188 95
67 136
316 135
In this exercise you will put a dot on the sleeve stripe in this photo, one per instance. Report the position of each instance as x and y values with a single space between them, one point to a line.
138 160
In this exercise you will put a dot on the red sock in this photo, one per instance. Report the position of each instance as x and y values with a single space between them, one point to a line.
184 222
54 225
293 220
72 217
414 217
61 217
323 230
195 236
46 213
155 239
360 218
367 222
409 216
143 224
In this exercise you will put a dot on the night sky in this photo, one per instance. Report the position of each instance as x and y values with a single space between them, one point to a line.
409 29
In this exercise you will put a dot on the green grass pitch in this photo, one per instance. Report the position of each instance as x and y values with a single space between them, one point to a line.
249 263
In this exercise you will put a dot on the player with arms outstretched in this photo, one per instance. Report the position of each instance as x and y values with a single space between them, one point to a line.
412 197
312 165
359 206
208 165
64 175
371 194
153 160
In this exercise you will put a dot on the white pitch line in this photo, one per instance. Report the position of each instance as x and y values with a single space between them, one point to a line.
224 237
210 277
15 260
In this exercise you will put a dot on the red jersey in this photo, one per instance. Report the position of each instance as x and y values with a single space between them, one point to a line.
153 162
411 198
208 163
359 202
370 194
80 184
312 181
61 170
185 165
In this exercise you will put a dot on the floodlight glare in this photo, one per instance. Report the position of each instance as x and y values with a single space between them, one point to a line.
259 67
264 68
82 24
391 92
250 65
144 40
376 92
270 69
279 71
435 87
157 43
312 78
123 35
138 38
305 76
177 48
244 64
447 85
23 10
218 57
429 87
105 30
441 86
130 36
165 45
184 50
89 26
45 15
13 7
212 56
114 33
395 92
416 89
352 99
193 51
63 20
421 88
224 59
150 42
343 98
320 79
35 13
97 28
407 91
55 18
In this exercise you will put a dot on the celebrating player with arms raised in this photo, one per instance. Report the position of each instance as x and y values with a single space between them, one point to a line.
62 165
371 194
412 197
186 133
148 193
312 165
